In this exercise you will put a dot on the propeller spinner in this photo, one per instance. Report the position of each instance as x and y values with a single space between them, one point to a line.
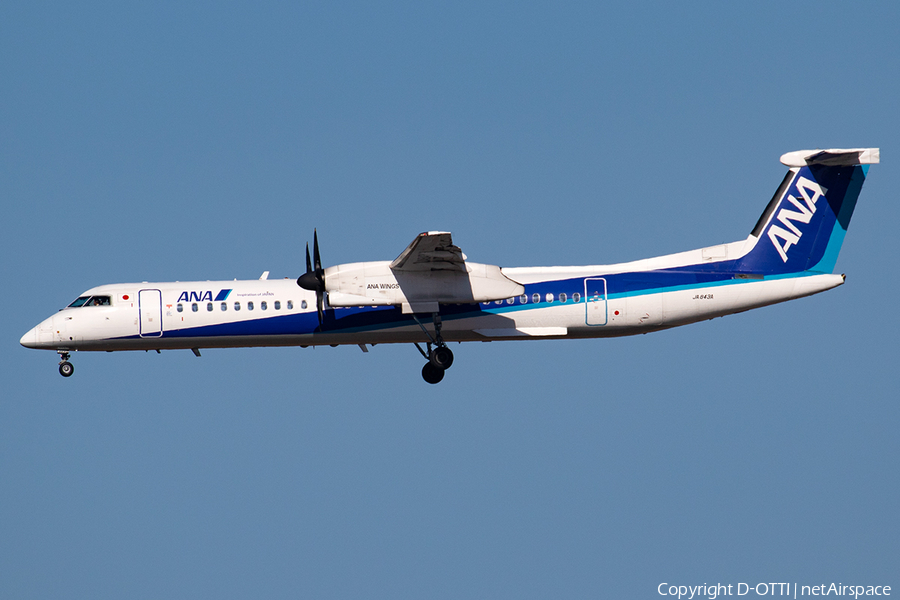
314 278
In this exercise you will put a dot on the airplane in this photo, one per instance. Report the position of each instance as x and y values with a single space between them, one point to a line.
432 294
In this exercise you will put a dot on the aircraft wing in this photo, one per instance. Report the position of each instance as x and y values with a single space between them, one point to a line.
431 251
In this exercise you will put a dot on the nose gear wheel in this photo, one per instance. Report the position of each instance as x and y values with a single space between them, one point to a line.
65 367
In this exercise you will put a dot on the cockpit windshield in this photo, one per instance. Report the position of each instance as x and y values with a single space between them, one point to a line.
90 301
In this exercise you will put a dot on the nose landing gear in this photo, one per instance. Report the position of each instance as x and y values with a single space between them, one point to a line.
65 367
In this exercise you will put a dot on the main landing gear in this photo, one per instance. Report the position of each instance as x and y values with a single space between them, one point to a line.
65 367
440 357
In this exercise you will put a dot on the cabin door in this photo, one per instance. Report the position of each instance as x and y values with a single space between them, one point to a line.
150 307
595 301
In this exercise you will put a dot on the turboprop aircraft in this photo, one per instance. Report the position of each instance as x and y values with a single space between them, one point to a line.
432 294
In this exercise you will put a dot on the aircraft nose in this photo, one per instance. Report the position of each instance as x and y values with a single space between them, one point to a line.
29 340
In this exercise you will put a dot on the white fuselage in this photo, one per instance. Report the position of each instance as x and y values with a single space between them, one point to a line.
559 302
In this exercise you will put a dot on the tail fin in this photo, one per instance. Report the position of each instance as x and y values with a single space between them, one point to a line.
803 226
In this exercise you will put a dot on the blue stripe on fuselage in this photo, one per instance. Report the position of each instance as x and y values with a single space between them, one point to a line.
361 319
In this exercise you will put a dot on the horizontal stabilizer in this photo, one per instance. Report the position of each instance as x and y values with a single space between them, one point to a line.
832 158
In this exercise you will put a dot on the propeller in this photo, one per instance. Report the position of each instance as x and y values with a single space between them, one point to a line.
314 279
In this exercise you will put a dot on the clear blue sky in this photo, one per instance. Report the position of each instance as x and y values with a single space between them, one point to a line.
175 141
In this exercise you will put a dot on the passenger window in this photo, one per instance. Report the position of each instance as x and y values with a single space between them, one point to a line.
278 305
549 297
180 308
290 305
563 297
535 298
498 301
250 305
576 297
510 300
194 307
224 306
209 306
263 305
237 306
523 299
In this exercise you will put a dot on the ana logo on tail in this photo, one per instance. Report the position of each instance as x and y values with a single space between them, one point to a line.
788 217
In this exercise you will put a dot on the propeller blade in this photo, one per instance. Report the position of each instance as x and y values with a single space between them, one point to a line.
316 256
320 278
314 278
308 280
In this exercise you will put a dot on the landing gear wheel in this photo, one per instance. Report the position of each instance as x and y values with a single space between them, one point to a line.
431 373
66 369
441 357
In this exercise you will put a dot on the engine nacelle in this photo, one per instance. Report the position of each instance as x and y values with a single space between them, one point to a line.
376 284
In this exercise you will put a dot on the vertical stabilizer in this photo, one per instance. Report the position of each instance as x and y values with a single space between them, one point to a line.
804 225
